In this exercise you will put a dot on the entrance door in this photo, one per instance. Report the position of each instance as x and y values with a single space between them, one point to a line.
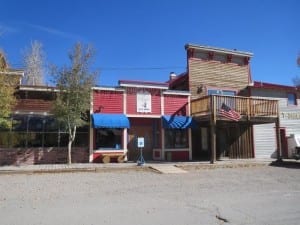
140 131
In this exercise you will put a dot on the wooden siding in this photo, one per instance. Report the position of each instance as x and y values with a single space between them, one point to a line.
241 145
210 73
250 107
131 100
33 105
106 101
176 104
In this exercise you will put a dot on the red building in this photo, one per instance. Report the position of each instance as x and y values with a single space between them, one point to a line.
141 109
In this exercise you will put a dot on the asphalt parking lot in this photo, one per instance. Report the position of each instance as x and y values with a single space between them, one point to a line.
248 195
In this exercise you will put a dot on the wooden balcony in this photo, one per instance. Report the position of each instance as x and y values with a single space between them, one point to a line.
250 109
33 105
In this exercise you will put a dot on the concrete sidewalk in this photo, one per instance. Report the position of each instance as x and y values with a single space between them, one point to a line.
100 167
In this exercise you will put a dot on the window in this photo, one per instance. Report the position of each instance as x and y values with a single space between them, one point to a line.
40 131
176 138
107 138
292 99
221 92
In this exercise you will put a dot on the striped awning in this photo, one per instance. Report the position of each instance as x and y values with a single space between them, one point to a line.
178 122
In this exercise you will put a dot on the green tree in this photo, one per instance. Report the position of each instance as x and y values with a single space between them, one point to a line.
7 98
75 83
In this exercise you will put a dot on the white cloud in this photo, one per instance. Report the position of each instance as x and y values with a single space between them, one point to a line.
5 29
54 32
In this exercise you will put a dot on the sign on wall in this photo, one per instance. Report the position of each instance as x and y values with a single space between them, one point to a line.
143 102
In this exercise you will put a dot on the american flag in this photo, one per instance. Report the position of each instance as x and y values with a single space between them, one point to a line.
229 113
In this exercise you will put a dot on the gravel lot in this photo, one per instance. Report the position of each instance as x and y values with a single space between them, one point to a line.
254 195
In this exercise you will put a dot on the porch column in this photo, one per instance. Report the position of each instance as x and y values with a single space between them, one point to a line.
213 123
279 152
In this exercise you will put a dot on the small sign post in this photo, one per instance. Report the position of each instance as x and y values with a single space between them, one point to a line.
141 145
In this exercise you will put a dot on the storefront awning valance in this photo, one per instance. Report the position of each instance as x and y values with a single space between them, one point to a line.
178 122
103 120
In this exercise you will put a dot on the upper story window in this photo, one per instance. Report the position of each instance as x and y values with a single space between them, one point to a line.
221 92
292 100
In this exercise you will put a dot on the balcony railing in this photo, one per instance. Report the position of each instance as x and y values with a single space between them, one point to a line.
250 107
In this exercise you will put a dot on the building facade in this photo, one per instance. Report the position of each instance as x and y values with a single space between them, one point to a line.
120 115
218 79
288 98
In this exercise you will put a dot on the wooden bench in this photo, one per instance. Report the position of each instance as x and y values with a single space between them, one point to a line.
106 157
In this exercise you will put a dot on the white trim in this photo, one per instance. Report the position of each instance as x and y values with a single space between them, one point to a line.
169 92
162 103
91 138
190 144
219 50
108 89
125 102
143 116
144 86
13 73
125 150
163 144
44 88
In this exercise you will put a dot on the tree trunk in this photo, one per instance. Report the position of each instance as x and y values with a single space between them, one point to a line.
69 151
71 139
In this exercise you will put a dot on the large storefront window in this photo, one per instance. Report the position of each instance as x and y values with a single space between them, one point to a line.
176 138
107 138
39 131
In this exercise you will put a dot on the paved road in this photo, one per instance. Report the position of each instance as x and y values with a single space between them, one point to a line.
255 195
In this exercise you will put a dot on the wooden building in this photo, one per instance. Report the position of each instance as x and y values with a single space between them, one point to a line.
218 80
288 98
140 109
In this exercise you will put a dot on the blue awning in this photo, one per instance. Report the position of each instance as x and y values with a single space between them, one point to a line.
103 120
178 122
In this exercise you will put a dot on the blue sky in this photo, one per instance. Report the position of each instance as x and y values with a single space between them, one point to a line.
144 40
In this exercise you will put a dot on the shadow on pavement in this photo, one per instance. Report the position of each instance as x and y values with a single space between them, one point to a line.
286 164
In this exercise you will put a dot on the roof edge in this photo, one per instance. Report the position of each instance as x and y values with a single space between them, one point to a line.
220 50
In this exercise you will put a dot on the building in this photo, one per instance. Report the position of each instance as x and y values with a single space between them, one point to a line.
141 109
218 80
288 98
36 137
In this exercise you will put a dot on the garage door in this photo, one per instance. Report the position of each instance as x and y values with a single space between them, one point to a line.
264 140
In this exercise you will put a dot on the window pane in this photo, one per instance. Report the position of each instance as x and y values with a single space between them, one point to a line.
175 138
291 99
81 139
51 139
19 123
35 123
35 139
228 93
109 138
4 139
18 139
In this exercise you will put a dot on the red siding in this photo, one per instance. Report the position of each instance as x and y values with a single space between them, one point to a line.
108 101
176 104
179 155
155 101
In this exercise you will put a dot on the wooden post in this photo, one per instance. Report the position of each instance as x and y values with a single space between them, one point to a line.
213 122
279 152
